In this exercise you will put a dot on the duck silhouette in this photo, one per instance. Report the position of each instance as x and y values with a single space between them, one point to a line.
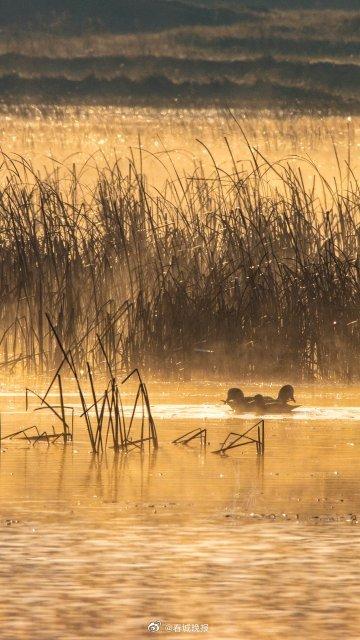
261 406
285 394
240 403
236 400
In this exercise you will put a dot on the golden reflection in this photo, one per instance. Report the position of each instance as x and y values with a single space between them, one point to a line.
131 535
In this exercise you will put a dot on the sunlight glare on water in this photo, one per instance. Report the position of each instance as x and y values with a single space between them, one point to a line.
222 412
101 545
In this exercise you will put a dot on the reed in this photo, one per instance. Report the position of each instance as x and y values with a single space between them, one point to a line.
245 272
234 440
106 407
105 413
195 434
50 438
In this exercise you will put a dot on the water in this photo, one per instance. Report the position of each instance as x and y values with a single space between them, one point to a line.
252 547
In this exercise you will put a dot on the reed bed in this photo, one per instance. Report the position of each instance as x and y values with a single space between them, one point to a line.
244 272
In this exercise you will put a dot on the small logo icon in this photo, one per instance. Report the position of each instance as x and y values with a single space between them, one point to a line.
154 626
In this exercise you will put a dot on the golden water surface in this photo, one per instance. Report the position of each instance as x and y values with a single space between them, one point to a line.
237 546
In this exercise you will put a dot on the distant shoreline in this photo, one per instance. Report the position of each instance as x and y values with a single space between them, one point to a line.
161 92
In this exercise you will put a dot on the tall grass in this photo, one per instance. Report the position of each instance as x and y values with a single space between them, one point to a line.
232 273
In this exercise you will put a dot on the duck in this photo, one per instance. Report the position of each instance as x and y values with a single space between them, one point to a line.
261 406
236 400
285 394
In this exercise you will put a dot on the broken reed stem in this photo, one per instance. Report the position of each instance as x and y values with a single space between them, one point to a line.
133 411
191 435
16 433
48 405
65 426
119 414
142 391
234 440
95 402
40 437
69 360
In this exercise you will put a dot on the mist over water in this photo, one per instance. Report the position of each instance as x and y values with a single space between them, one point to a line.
155 525
179 197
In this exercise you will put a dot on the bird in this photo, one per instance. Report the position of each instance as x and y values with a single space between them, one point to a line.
261 406
236 400
285 394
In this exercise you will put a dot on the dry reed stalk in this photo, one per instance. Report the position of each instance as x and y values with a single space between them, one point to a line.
260 272
235 440
142 393
192 435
